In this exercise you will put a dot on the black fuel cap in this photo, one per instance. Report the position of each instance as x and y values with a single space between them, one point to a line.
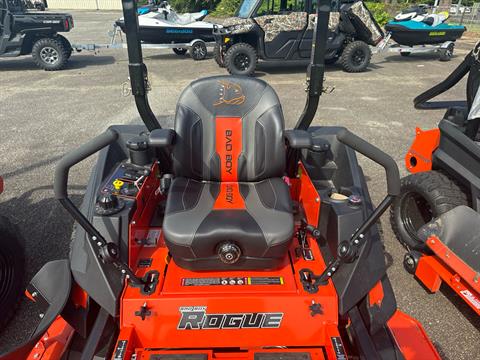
108 204
229 252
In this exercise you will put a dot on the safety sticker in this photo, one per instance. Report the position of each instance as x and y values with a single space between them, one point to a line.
120 350
338 348
472 299
217 281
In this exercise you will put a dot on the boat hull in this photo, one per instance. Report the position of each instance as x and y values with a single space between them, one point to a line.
171 35
407 36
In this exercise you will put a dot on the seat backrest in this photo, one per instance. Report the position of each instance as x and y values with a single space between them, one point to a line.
229 129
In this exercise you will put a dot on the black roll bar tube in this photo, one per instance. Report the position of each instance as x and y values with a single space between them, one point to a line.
316 68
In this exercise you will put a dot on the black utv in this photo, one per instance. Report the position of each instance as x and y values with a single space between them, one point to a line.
280 30
24 32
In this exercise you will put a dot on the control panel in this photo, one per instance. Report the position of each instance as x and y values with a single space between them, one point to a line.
125 181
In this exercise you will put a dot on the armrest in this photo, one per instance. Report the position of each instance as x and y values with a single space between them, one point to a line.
302 139
161 138
298 139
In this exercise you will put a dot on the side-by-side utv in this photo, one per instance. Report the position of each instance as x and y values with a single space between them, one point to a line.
25 32
436 215
282 30
226 237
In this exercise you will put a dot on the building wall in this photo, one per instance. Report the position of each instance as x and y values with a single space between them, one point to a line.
85 4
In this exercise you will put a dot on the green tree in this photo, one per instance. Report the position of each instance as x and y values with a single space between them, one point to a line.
227 7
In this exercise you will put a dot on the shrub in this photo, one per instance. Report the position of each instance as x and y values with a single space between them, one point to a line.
226 8
379 12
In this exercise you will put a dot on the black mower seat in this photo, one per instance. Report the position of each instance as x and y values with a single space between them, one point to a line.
459 230
228 207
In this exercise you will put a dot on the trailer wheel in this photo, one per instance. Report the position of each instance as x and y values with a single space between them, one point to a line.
198 51
50 54
241 59
12 269
446 54
180 51
217 55
423 197
356 57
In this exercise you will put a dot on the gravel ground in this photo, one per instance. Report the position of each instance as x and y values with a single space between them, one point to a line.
43 115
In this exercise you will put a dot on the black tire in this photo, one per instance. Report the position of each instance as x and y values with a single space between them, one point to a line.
424 196
50 54
241 59
405 53
12 270
198 51
447 54
180 51
217 55
67 44
356 57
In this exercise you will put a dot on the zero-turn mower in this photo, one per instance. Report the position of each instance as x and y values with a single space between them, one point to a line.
226 237
436 215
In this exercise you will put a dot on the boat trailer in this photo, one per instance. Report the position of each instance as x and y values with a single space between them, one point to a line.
445 50
197 48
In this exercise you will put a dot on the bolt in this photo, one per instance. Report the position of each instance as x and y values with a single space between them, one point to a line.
410 261
475 278
45 338
333 269
123 271
94 238
329 273
317 199
41 315
134 222
34 294
432 241
36 356
356 242
361 236
99 243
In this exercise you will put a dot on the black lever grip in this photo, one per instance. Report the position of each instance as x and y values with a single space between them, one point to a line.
376 155
76 156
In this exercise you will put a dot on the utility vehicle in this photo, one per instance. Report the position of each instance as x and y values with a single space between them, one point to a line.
225 237
12 267
281 30
25 32
436 215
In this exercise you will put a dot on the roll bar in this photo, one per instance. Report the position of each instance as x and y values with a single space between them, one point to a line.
316 68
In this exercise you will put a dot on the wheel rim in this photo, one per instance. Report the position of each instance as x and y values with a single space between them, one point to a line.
242 62
358 57
415 211
199 51
7 276
49 55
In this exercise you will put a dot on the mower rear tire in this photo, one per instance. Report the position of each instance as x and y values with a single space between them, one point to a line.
12 270
423 197
198 51
356 57
217 55
241 59
50 54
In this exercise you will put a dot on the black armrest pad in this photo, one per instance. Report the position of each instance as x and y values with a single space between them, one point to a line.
161 137
298 139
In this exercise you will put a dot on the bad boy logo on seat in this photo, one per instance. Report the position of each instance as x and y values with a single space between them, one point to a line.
196 318
229 94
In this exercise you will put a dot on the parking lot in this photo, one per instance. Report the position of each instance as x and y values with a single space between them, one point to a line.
43 115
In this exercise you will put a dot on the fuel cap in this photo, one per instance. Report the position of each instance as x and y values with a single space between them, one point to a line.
229 252
108 204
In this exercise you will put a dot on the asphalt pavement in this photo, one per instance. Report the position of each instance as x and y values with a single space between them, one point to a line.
43 115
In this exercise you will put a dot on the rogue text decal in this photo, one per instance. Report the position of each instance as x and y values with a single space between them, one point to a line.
196 318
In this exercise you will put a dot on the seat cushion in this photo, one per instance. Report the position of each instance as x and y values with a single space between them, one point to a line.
201 216
459 230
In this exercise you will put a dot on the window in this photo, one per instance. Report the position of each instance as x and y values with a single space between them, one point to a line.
278 7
